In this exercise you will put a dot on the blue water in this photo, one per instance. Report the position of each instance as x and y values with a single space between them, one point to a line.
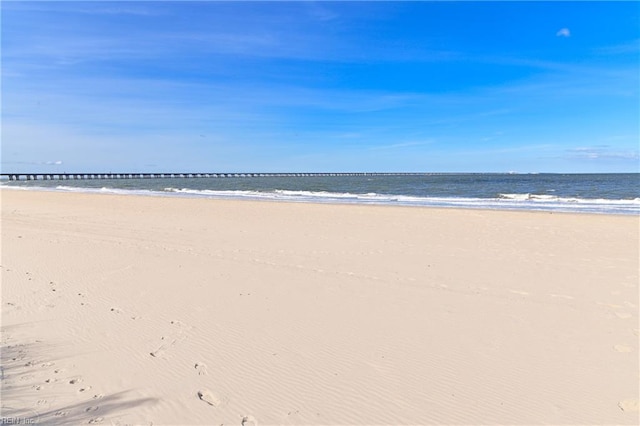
587 193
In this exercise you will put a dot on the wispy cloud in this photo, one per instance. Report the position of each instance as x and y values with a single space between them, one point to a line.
620 49
135 11
92 83
402 145
320 12
604 152
74 32
36 163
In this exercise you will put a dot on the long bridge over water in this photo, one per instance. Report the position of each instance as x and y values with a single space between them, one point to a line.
79 176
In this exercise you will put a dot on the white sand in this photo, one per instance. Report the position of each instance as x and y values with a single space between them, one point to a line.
144 310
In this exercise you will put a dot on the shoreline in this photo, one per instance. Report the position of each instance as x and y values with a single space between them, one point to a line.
172 310
451 203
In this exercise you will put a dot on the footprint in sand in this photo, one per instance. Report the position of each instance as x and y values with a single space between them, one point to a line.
249 421
610 305
209 398
170 341
162 349
622 348
181 326
84 389
562 296
96 420
201 368
116 310
629 405
91 409
75 381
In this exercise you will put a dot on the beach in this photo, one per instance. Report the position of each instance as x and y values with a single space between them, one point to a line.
122 309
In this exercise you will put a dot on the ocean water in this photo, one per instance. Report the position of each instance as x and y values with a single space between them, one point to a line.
586 193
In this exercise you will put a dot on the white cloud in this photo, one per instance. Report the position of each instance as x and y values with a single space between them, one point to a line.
564 32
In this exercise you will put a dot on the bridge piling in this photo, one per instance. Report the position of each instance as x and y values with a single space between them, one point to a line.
182 175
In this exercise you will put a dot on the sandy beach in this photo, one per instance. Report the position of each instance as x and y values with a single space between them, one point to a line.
142 310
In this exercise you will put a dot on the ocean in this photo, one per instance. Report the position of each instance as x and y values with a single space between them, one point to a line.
580 193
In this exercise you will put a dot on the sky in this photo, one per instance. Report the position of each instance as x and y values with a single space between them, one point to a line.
150 86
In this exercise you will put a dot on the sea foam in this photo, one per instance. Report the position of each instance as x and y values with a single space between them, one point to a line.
501 201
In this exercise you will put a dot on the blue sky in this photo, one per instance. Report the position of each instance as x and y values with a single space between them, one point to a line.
320 86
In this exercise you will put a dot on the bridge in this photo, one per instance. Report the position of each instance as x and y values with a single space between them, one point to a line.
79 176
